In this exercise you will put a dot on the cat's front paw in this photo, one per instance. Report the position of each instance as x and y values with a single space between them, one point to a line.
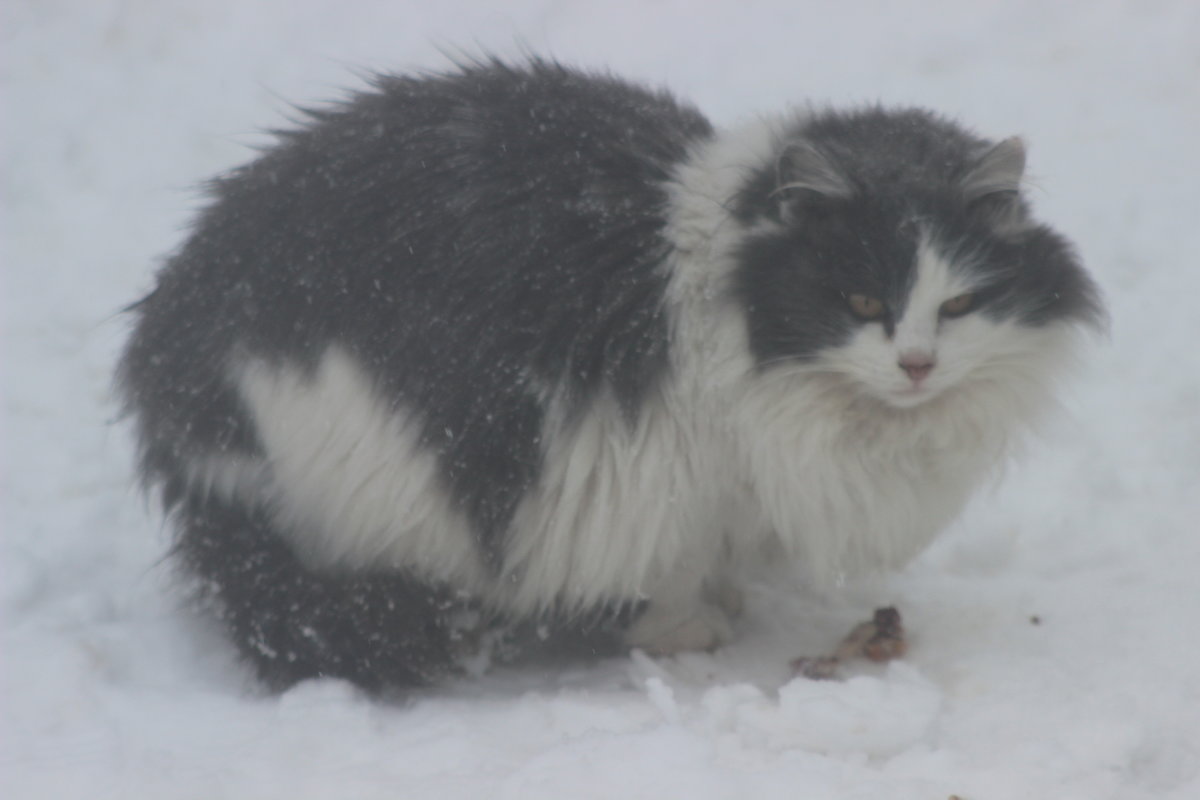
664 630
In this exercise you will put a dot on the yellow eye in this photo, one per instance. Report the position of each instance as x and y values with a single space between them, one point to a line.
865 307
957 306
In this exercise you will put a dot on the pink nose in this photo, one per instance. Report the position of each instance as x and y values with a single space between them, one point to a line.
917 365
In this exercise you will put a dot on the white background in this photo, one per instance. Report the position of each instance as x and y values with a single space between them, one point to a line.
114 112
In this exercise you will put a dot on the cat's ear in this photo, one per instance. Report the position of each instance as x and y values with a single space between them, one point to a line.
999 169
803 167
806 179
992 187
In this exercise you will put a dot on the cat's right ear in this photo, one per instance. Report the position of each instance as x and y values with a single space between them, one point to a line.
807 178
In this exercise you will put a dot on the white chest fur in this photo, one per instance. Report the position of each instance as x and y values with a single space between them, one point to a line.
846 484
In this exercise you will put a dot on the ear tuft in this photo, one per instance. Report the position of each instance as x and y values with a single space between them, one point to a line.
999 170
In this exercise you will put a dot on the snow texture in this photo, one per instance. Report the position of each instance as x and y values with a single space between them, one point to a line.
1054 628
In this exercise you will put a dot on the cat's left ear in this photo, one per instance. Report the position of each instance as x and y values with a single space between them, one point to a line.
807 181
993 185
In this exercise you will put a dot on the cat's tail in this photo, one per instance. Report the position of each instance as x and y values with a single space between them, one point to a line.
291 623
379 630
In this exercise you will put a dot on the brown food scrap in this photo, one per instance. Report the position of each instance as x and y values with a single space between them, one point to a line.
888 641
880 639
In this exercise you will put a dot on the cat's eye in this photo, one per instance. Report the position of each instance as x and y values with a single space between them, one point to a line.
957 306
865 307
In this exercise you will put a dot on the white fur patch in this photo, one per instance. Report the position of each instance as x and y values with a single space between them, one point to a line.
849 484
351 484
936 282
615 510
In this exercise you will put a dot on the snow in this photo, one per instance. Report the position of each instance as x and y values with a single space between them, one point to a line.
115 110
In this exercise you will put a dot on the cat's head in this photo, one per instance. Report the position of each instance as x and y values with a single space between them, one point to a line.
895 249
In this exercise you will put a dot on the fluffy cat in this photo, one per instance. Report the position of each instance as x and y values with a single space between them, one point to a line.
520 350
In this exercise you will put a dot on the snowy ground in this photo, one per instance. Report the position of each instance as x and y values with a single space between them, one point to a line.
113 110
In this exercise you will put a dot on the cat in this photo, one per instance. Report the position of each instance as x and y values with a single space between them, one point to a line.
521 348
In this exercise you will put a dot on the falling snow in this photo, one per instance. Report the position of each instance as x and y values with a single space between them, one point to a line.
1052 645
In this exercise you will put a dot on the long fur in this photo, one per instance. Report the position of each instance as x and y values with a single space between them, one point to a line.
522 346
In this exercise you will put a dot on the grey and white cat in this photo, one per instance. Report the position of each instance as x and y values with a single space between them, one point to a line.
518 345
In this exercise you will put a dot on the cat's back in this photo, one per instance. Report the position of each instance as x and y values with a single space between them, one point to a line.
465 241
490 174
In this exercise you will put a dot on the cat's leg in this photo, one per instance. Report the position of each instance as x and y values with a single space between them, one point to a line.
682 615
291 623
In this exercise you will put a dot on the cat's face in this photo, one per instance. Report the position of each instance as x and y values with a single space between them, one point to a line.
902 258
908 349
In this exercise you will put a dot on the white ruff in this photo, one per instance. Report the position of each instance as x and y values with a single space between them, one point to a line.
849 483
